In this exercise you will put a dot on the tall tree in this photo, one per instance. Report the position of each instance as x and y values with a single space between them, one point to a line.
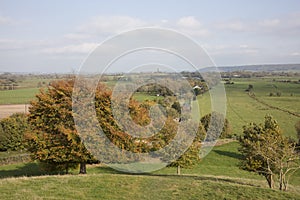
54 140
266 151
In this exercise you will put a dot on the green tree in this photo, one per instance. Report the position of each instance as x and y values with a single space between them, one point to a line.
54 140
12 131
214 123
266 151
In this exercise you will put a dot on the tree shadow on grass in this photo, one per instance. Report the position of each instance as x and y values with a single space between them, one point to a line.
28 169
106 170
229 154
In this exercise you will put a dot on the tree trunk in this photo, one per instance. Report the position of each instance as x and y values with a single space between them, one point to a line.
67 168
178 170
280 179
82 169
270 180
285 183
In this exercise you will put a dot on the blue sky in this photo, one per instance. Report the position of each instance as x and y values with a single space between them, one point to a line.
56 36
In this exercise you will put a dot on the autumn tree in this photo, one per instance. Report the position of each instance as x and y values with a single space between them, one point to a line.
54 140
191 155
266 151
12 131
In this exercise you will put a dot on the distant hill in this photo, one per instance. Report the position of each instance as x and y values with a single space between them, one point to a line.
258 68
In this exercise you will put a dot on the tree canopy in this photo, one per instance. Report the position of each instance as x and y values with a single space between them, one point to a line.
266 151
54 140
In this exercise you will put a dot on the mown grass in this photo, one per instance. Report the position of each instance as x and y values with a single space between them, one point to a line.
217 176
108 186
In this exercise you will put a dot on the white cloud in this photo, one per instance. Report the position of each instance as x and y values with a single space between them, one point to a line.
76 36
83 48
111 24
269 23
244 46
14 44
295 54
282 26
191 26
189 22
5 20
232 25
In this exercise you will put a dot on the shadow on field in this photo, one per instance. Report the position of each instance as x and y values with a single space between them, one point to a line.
229 154
105 170
28 169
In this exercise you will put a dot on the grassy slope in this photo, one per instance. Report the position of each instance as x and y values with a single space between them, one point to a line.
217 176
132 187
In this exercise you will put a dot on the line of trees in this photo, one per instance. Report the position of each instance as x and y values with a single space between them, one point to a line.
49 132
54 140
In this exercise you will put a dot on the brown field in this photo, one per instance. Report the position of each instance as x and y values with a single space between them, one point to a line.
7 110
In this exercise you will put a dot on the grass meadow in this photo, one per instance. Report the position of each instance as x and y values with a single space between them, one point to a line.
217 176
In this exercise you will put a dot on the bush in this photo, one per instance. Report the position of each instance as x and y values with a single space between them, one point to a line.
12 130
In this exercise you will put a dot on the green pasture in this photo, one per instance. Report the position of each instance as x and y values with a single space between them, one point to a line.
241 109
217 176
18 96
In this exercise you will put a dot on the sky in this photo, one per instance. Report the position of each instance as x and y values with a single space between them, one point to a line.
57 36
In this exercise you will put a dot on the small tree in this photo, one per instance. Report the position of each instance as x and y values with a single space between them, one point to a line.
191 155
214 121
249 89
266 151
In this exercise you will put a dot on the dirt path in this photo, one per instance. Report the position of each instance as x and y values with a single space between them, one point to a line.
7 110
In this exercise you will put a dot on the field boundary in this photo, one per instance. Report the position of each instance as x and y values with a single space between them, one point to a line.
252 95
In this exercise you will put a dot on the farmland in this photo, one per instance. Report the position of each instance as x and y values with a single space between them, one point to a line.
216 176
240 107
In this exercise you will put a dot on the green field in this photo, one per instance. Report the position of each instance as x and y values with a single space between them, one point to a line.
18 96
217 176
241 109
